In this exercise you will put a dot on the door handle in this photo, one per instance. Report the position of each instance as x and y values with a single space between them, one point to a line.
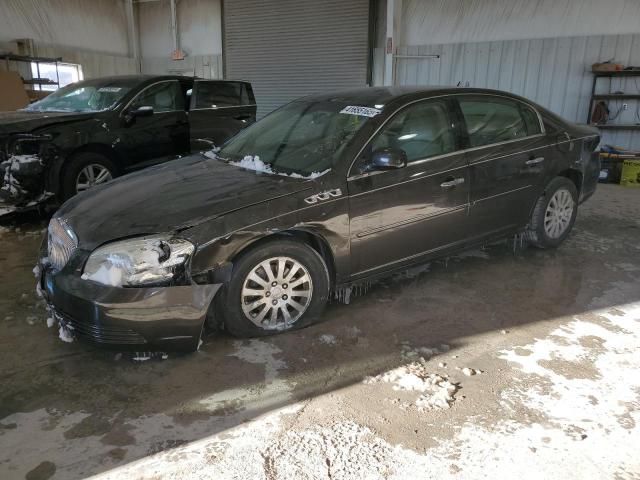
534 161
452 183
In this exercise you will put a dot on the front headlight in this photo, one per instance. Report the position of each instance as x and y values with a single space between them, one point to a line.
139 261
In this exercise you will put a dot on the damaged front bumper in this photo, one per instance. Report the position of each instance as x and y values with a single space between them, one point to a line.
23 172
140 319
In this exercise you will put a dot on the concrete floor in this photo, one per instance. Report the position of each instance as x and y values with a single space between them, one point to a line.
377 390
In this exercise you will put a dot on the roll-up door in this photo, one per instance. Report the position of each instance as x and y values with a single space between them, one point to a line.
291 48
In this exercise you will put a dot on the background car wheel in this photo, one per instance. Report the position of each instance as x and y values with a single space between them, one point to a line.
87 170
281 285
554 214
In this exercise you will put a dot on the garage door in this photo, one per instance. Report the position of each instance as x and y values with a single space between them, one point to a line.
291 48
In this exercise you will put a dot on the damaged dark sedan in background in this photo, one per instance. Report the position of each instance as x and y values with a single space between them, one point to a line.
326 192
89 132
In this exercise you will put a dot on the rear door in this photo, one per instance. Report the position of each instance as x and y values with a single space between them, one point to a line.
400 215
161 136
507 153
219 110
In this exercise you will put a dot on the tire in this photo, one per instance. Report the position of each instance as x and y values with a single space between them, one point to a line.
80 162
541 231
234 302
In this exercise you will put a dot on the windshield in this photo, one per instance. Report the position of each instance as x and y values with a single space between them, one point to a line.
88 96
302 138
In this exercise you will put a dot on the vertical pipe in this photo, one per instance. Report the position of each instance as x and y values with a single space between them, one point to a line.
174 25
134 39
389 46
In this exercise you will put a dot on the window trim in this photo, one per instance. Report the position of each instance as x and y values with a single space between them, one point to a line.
357 176
126 107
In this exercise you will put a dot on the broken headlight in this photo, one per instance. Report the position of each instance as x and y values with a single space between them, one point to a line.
139 262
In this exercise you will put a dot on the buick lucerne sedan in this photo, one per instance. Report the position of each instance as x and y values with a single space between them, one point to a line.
326 192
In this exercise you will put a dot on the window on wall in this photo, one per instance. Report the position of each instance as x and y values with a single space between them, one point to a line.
66 73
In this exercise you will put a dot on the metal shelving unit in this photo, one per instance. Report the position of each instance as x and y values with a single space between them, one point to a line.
612 96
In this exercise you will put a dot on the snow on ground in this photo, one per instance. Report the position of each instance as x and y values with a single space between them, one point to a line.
328 339
578 387
436 390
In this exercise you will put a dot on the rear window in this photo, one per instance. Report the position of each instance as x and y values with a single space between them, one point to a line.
221 94
493 120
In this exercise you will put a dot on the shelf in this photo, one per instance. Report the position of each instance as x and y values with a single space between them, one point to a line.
39 81
611 96
621 126
26 58
619 73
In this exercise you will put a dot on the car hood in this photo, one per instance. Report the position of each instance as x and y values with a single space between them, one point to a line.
25 122
170 197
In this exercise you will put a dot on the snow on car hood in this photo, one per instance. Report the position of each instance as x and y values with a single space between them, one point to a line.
169 197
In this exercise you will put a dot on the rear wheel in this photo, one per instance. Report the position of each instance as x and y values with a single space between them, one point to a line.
87 170
279 286
554 214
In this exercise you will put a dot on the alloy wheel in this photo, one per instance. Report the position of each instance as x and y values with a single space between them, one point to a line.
276 293
92 175
559 212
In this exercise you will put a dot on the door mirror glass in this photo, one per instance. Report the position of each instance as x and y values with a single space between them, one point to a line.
388 159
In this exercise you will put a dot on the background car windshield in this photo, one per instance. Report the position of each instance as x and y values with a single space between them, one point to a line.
301 137
91 96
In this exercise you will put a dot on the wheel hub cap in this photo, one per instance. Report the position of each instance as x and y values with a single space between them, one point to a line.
92 175
276 293
559 213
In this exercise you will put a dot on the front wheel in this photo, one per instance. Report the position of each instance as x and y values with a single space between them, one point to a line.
87 170
554 214
281 285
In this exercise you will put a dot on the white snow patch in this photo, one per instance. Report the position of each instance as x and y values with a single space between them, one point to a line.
253 162
437 391
141 357
64 333
328 339
50 321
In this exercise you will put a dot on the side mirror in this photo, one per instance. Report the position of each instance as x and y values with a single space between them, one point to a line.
143 111
388 159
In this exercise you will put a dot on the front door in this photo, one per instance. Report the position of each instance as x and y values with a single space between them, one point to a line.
400 215
158 137
508 155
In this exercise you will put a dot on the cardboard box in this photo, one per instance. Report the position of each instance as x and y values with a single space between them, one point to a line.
630 173
607 67
12 93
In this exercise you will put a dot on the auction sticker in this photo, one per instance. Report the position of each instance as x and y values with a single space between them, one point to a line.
361 111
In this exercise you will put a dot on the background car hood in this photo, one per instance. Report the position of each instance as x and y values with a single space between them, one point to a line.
25 122
170 197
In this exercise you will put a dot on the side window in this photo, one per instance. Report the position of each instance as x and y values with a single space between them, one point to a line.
219 94
495 120
163 97
422 130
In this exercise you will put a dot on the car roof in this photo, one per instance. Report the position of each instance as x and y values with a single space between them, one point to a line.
371 96
145 77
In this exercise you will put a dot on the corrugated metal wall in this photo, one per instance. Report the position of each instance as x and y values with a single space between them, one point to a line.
552 72
291 48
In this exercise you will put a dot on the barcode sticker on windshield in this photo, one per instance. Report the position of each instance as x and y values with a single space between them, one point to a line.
361 111
109 89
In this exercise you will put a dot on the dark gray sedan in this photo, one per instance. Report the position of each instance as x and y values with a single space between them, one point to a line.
326 192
